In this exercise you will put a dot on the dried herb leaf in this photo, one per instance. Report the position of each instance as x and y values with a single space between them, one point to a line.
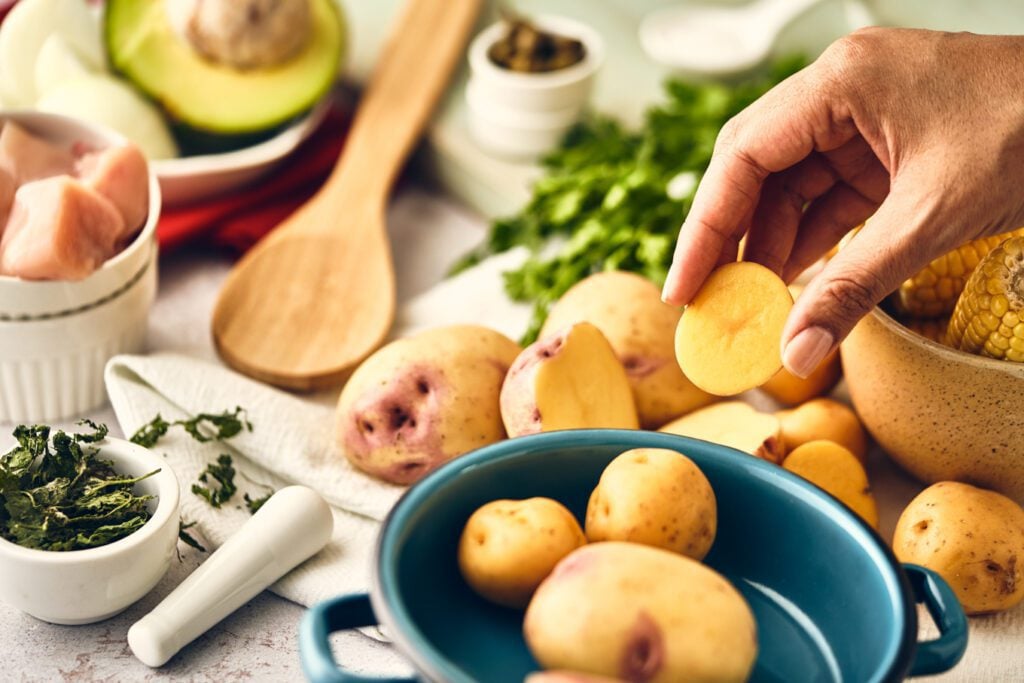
187 538
223 473
57 495
219 426
254 504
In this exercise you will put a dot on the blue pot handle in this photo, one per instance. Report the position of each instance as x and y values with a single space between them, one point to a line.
941 654
320 621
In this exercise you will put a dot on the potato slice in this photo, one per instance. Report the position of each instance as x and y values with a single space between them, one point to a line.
823 418
728 338
835 469
570 380
734 424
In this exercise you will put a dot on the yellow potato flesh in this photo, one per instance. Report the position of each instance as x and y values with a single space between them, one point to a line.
823 418
734 424
835 469
584 385
728 338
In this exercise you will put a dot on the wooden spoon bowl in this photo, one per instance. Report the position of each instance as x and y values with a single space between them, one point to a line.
317 295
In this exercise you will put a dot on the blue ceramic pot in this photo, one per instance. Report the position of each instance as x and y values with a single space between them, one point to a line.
831 601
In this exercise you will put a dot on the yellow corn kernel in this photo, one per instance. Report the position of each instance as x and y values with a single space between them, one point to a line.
933 291
988 316
929 328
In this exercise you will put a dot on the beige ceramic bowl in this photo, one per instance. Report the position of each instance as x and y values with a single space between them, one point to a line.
940 413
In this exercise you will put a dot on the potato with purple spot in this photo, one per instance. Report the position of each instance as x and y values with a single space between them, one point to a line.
419 402
509 546
641 328
656 497
638 613
571 379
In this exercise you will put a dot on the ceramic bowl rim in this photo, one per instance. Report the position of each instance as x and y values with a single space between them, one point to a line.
482 66
410 641
943 351
166 505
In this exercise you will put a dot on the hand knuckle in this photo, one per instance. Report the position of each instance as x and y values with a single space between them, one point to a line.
853 295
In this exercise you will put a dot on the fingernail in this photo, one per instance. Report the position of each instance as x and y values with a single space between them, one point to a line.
806 350
669 279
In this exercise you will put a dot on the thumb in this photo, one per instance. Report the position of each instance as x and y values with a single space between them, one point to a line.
872 264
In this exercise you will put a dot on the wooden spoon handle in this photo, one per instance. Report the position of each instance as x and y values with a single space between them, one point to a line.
414 67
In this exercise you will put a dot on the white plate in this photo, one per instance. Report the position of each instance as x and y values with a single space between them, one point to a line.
188 179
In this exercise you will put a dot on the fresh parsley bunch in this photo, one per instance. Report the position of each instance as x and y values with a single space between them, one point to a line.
617 197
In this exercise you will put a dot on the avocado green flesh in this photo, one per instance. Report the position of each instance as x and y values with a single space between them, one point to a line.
219 99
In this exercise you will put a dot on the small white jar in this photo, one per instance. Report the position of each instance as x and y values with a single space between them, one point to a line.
523 115
84 586
56 336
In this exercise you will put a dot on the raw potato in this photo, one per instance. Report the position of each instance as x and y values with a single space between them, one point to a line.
419 402
562 676
729 336
835 469
568 380
823 418
655 497
641 614
972 537
509 546
735 424
628 310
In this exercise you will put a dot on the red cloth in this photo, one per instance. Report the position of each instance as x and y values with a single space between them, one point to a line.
237 220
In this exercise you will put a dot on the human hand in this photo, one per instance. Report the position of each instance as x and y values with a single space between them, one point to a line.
921 131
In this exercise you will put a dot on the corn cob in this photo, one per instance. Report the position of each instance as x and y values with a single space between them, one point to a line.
989 316
934 291
929 328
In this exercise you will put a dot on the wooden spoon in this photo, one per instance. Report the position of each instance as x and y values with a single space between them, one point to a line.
317 295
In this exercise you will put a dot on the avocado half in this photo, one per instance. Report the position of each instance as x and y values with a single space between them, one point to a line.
210 97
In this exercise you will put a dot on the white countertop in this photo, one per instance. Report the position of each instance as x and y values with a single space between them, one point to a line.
259 642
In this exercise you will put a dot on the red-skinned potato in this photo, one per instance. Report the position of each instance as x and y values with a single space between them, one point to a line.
641 328
571 379
421 401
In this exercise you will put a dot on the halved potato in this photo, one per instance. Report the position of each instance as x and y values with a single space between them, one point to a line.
734 424
835 469
728 338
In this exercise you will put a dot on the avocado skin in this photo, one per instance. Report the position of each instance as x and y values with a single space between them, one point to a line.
183 107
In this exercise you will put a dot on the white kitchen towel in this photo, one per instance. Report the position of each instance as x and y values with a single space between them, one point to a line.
291 443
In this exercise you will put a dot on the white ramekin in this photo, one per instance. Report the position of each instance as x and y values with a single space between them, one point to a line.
83 586
523 115
55 337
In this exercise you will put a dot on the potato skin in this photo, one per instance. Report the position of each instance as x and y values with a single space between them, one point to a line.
655 497
641 328
638 613
823 418
509 546
421 401
974 538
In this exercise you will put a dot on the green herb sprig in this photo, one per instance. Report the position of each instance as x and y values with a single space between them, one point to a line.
618 197
57 495
187 538
223 473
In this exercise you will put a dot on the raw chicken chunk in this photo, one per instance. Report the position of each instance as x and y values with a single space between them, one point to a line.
119 174
28 158
59 229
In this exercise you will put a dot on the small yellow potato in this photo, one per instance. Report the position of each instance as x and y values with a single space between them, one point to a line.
824 418
568 380
421 401
735 424
729 336
656 497
836 470
628 310
972 537
641 614
509 546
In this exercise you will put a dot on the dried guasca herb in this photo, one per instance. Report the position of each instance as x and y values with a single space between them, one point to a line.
223 473
254 504
58 494
224 426
529 49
